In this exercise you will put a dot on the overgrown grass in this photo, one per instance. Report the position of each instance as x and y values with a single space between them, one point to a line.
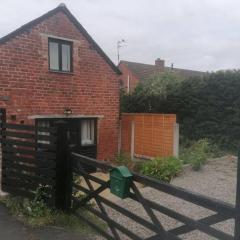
196 153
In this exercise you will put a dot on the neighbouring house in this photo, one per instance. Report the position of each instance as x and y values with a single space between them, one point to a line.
51 69
133 72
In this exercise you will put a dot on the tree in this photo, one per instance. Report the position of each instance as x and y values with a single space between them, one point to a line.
160 85
206 106
148 94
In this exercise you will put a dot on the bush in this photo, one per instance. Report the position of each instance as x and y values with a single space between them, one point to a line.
162 168
196 153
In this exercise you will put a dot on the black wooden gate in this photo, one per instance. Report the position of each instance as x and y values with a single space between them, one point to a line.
221 211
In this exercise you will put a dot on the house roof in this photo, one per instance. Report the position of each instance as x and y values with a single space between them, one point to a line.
144 71
64 9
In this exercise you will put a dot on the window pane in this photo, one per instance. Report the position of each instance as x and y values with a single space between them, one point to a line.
53 55
43 124
87 132
66 61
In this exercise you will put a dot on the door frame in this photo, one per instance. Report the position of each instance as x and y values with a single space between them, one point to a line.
80 148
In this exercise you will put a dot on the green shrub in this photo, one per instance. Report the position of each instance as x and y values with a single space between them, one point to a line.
162 168
197 153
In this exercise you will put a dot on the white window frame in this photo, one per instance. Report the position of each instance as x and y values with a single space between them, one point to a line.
43 123
88 132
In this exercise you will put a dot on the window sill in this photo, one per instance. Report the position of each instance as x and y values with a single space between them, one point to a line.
89 145
60 72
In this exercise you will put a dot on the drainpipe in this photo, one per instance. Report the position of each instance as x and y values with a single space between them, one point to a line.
132 138
128 84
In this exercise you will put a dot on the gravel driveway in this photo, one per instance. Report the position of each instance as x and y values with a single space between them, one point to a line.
217 179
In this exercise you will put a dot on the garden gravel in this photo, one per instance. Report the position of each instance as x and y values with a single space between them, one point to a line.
217 179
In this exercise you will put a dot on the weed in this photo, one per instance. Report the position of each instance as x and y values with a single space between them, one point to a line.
37 213
124 159
197 153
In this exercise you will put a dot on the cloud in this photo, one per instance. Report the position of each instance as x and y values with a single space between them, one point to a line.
201 35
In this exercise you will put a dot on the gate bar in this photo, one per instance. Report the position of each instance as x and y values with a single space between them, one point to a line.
237 207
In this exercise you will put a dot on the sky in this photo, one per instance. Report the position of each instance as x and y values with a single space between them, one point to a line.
200 35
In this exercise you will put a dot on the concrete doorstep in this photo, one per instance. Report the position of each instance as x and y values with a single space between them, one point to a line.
3 194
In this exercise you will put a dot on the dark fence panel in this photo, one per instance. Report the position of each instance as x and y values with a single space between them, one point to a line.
28 159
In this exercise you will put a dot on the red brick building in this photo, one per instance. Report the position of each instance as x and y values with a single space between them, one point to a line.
52 69
133 72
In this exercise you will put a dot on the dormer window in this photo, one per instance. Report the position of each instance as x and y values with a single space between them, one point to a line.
60 55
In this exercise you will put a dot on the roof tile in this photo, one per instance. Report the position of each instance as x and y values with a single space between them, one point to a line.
145 71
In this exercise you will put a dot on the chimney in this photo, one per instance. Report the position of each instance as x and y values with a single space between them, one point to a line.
159 65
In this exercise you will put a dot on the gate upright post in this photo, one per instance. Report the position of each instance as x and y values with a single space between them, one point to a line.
237 205
2 164
63 168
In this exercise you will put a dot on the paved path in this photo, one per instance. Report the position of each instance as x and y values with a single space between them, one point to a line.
11 229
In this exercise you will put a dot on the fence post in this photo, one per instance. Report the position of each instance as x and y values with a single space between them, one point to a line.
237 206
176 140
132 139
3 120
63 168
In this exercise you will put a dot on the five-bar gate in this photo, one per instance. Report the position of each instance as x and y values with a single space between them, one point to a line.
221 211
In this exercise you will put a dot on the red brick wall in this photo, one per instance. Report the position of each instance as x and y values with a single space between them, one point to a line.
154 134
92 89
133 79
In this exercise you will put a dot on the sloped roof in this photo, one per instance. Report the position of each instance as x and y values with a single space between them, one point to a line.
144 71
64 9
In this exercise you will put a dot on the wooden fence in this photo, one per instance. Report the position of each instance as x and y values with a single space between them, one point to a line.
36 157
28 158
147 135
221 211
